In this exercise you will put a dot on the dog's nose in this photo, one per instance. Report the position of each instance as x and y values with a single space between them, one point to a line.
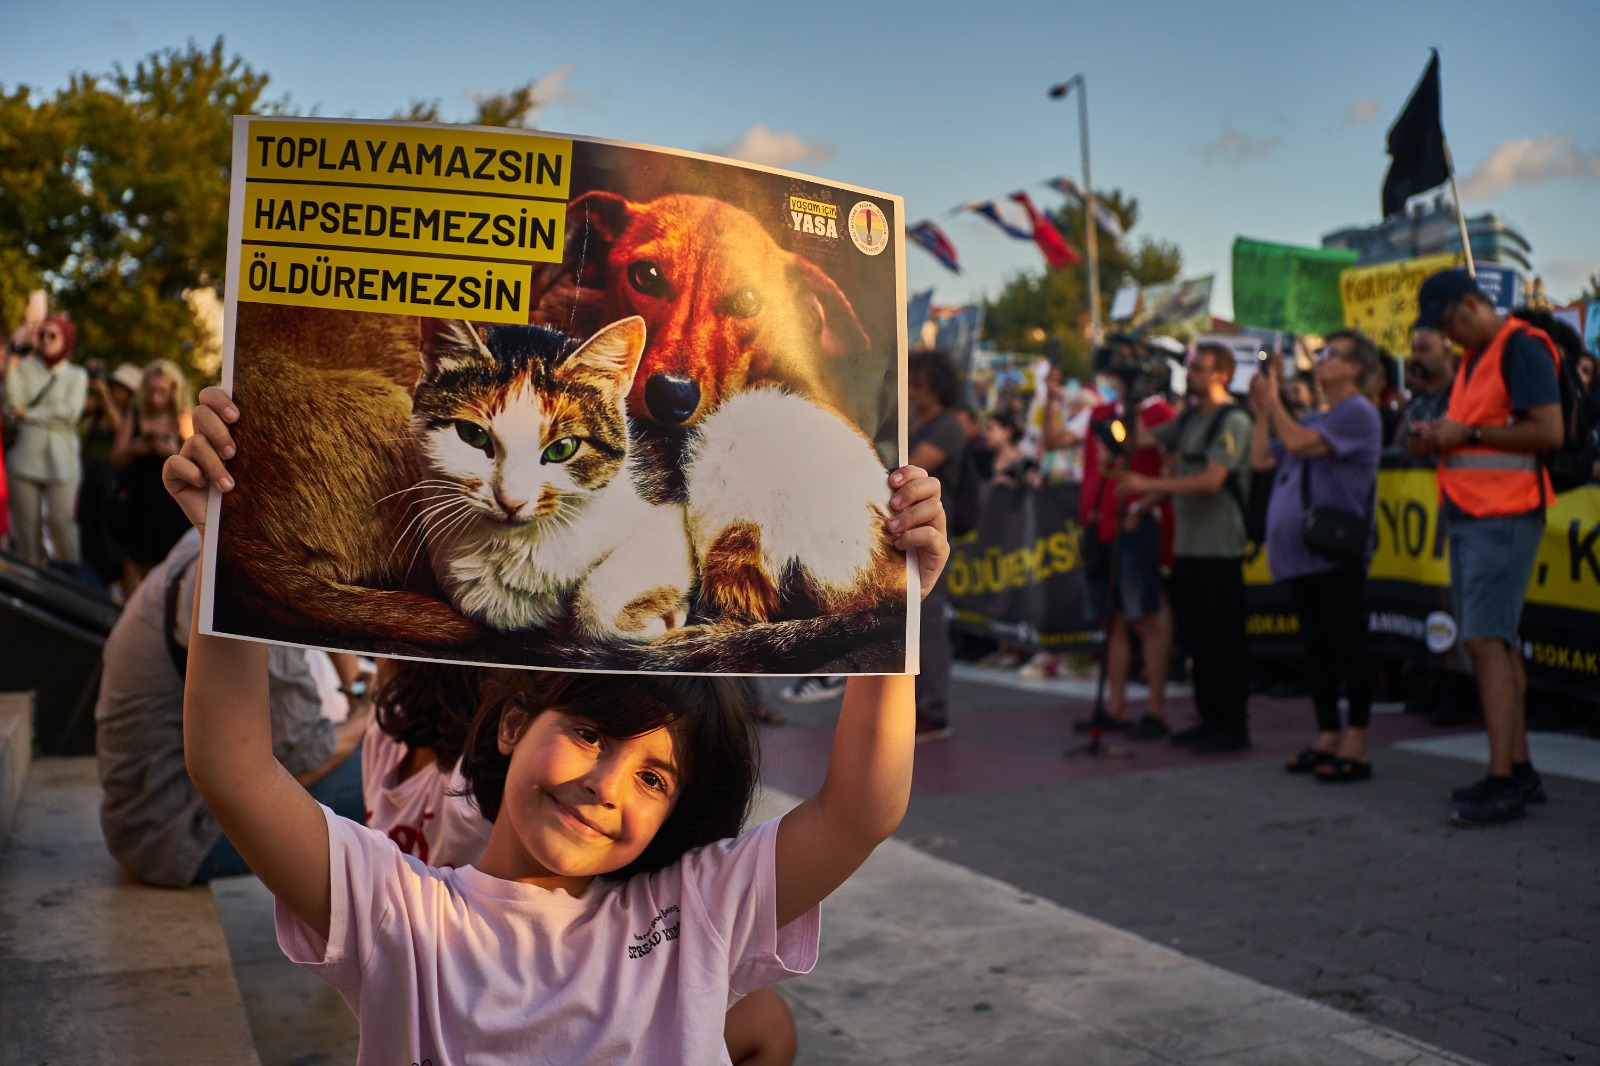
671 398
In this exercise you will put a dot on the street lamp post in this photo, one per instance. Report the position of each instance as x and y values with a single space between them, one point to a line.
1057 91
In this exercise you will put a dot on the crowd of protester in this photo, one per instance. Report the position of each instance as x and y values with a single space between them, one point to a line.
1291 463
80 489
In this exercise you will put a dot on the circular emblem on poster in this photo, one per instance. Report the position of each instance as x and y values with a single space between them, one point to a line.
869 228
1440 632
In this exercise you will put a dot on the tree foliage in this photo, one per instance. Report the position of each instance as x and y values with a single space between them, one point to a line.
1049 310
114 194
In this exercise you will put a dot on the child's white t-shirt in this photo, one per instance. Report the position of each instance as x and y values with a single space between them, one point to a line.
425 815
454 966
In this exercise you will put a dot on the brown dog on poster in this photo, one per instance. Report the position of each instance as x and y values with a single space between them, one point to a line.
725 308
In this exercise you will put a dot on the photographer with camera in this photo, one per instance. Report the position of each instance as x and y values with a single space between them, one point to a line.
1212 442
1137 525
44 397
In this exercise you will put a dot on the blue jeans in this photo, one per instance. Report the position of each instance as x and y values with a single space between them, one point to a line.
339 790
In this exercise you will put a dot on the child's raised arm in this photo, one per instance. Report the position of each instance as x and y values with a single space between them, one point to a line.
826 838
227 734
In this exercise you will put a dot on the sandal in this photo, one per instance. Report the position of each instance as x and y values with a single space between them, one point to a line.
1341 769
1308 761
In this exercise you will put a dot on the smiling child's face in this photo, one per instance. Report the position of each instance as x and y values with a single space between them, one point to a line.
577 803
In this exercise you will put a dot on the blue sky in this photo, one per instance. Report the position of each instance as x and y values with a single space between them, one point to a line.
1225 118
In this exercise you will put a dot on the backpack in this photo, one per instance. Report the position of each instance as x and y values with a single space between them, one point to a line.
1252 490
1571 465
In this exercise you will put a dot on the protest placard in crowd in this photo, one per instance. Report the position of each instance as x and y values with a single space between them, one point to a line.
512 397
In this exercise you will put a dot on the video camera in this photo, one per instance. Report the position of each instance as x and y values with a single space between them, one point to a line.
1143 374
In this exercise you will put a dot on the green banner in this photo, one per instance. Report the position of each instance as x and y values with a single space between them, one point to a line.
1282 286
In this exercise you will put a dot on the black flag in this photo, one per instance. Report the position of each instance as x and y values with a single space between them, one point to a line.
1416 145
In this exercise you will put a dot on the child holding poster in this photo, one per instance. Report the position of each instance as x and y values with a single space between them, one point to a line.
615 911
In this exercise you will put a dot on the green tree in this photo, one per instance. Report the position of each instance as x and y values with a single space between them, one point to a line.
1035 312
114 194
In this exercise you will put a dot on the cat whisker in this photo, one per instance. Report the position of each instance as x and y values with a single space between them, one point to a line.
419 522
431 483
451 526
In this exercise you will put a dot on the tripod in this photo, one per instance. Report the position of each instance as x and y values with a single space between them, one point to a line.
1094 747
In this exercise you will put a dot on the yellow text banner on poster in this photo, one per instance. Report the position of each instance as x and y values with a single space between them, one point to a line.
1413 544
490 227
385 284
1381 300
443 158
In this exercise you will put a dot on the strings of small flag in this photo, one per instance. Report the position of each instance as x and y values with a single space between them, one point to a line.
1036 227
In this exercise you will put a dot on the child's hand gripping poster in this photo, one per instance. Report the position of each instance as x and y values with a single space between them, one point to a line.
514 398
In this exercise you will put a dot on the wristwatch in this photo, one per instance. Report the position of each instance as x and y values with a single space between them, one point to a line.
357 689
1475 435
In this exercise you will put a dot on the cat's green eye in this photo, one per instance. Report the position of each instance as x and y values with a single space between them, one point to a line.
476 436
560 451
743 303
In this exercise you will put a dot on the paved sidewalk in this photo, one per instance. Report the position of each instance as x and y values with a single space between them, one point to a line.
1358 897
926 962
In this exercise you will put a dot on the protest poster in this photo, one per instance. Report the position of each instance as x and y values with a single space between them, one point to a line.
1381 300
511 397
1286 287
1180 309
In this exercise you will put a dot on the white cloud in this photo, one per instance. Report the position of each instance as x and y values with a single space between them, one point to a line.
1363 110
1531 161
552 88
772 149
1232 146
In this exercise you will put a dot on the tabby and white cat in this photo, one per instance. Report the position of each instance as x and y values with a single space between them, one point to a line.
546 519
505 465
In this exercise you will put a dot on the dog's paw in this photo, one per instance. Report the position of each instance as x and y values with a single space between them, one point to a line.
653 614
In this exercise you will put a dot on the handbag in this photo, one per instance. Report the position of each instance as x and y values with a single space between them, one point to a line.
1329 531
11 424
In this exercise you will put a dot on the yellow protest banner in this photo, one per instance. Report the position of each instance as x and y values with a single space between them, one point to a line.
487 227
445 158
1381 300
386 284
1414 546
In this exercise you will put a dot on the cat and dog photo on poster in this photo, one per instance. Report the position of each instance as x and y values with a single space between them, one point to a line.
677 463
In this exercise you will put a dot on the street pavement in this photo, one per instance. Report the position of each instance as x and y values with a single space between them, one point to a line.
1358 901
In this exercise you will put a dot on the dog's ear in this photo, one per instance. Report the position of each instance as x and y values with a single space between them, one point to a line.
450 344
839 331
594 222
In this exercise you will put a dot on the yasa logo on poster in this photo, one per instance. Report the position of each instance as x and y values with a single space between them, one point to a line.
814 217
868 227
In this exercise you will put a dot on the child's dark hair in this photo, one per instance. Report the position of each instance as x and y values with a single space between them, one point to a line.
429 705
713 719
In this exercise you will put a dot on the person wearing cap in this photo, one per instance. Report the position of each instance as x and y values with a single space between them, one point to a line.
1505 408
45 394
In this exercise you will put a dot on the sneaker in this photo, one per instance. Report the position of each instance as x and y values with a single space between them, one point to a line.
814 689
928 729
1500 801
1148 728
1106 723
1222 742
1193 735
1480 790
